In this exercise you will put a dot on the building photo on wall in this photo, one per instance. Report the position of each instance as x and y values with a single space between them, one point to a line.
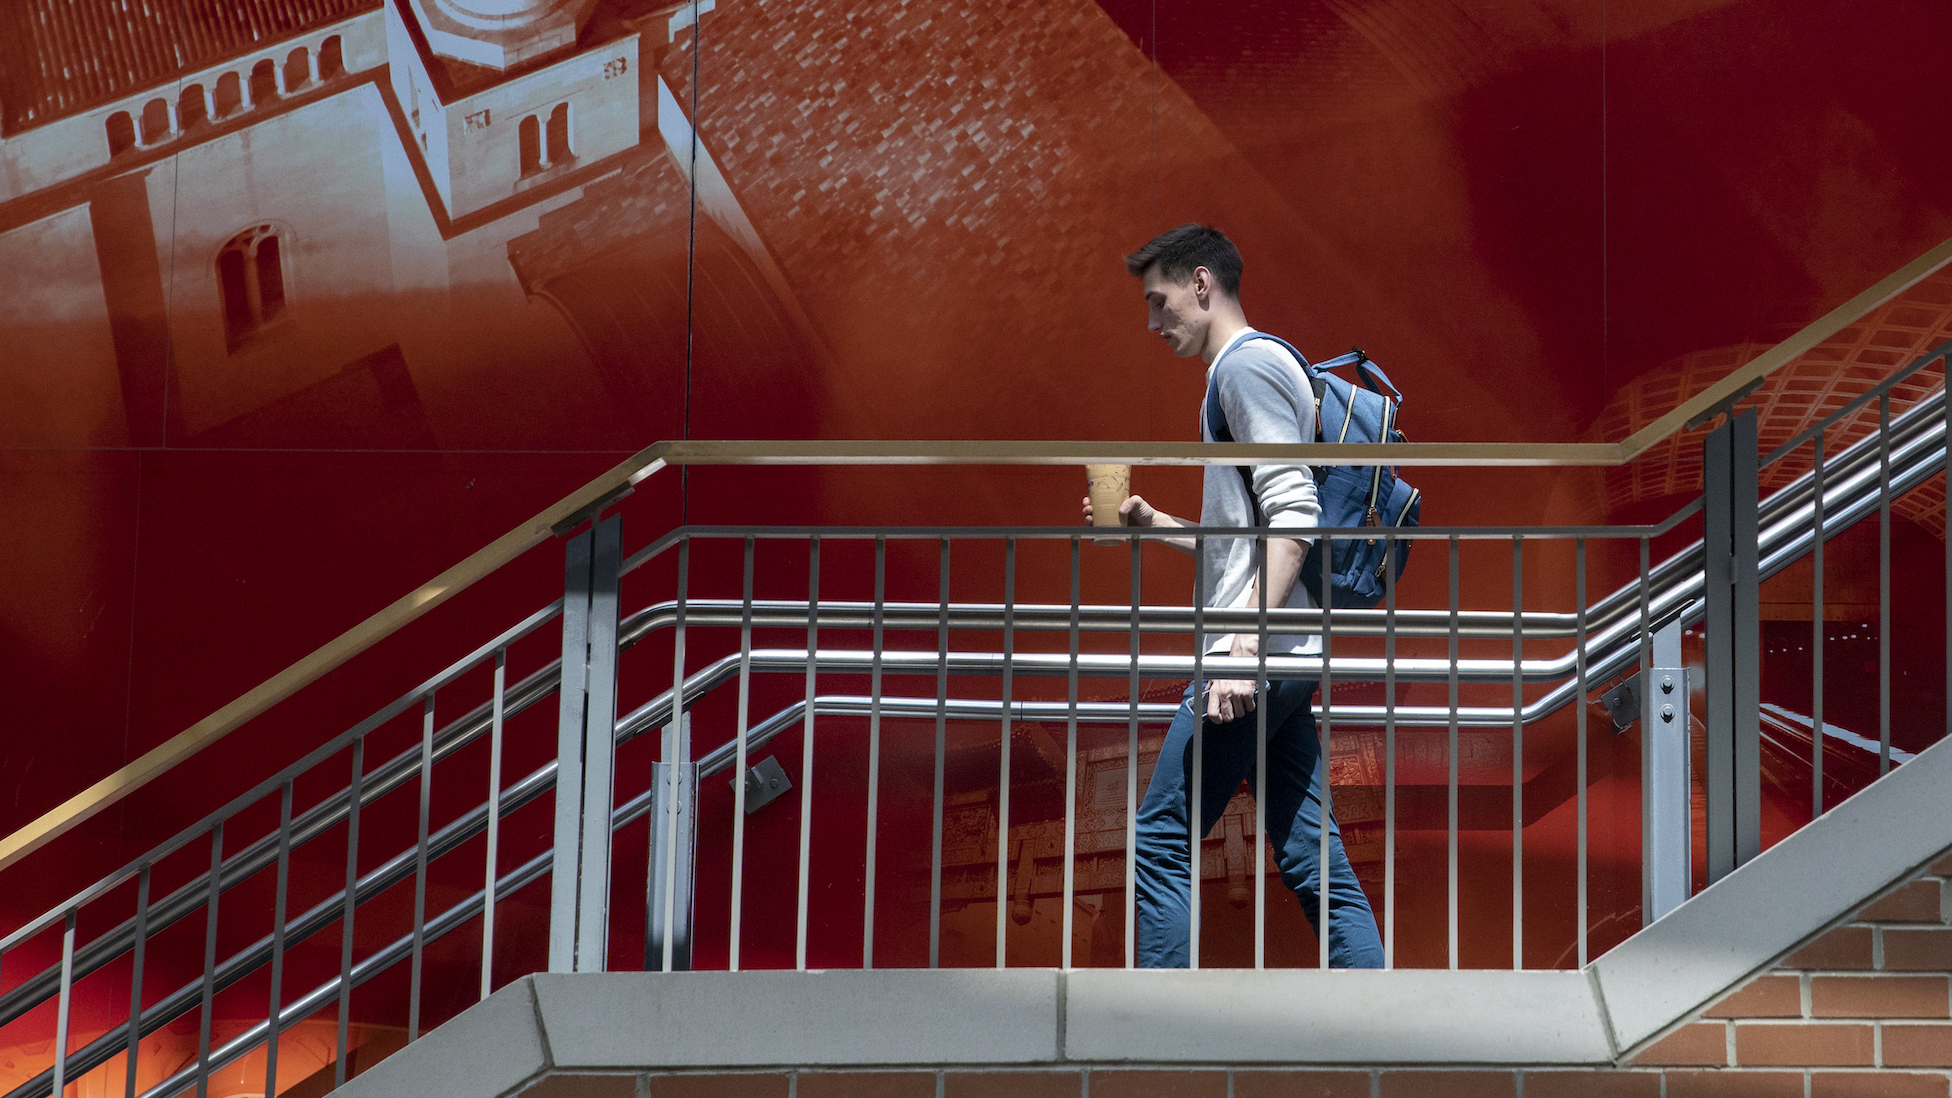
803 549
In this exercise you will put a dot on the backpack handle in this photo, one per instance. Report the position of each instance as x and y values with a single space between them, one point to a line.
1372 376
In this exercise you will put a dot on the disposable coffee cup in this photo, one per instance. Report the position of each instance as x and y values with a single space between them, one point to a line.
1109 485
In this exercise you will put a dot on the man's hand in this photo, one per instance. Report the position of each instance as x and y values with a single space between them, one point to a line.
1229 699
1135 511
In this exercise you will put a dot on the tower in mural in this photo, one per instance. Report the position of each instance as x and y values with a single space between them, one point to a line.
501 34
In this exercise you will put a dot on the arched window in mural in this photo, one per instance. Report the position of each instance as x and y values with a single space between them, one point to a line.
121 133
264 82
230 94
191 107
332 58
560 151
251 282
155 121
529 135
298 68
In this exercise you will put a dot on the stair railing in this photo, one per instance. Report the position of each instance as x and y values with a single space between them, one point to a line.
1625 628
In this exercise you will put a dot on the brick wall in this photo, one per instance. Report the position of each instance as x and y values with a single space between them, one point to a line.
1862 1010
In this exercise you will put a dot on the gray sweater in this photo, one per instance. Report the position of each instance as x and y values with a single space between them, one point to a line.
1265 396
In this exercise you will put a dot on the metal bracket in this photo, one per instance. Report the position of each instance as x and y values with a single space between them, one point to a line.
764 784
1670 702
1623 704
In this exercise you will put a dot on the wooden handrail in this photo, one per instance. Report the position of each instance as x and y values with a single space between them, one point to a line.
1136 453
592 496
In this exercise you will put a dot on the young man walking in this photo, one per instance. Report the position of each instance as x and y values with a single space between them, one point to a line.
1191 280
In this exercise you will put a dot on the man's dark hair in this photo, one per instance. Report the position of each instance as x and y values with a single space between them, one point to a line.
1177 252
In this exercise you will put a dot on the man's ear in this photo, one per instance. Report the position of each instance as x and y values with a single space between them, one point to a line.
1203 284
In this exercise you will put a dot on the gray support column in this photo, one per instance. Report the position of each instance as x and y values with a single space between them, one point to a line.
1730 525
586 746
1664 790
674 836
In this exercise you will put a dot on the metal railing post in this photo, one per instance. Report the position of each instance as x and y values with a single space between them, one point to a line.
586 747
1664 791
1730 529
674 836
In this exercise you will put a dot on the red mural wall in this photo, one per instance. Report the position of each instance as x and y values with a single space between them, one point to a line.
300 303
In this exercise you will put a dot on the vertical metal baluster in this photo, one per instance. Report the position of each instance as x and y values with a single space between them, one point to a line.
1260 765
354 798
490 859
739 761
1327 806
1450 753
1579 656
1070 856
941 762
1816 635
1518 751
1389 754
874 753
1647 711
806 756
1132 775
677 754
276 1021
420 868
135 980
209 985
1193 832
1003 764
61 1010
1883 584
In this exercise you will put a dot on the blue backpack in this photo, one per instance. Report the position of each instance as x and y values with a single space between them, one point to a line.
1350 495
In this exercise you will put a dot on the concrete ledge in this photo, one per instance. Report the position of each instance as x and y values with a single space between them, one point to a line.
1769 906
749 1019
1337 1017
490 1048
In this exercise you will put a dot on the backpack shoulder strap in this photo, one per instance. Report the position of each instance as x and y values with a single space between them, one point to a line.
1216 416
1311 372
1372 376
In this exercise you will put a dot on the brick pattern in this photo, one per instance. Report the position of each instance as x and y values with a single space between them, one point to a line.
1872 992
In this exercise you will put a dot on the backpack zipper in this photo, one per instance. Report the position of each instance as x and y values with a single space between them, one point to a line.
1371 516
1415 494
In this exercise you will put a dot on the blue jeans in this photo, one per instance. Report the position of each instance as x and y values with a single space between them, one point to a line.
1296 776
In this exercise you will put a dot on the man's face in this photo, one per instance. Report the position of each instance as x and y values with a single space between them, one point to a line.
1175 311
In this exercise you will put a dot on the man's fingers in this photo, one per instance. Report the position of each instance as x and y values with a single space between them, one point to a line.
1229 700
